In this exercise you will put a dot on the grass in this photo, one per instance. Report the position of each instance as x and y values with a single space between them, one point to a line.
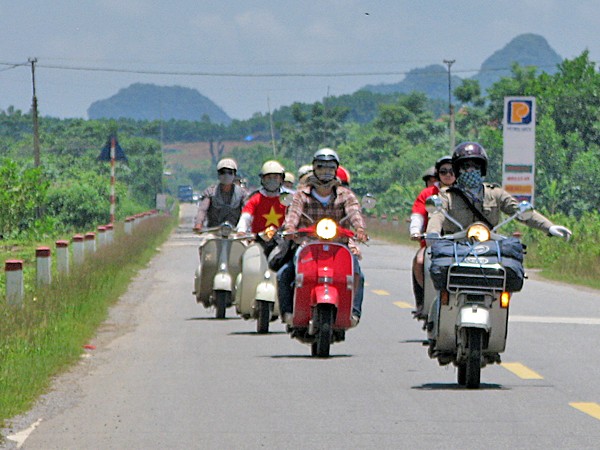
46 335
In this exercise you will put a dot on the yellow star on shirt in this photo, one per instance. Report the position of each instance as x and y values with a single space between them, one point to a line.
272 218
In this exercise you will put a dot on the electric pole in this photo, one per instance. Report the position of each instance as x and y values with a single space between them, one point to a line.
34 114
449 63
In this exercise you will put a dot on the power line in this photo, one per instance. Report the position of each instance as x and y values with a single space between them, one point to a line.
251 75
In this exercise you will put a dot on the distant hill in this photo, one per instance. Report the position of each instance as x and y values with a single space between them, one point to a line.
150 102
525 49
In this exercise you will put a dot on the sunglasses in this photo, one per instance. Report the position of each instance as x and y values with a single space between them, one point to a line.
326 166
226 172
446 172
470 165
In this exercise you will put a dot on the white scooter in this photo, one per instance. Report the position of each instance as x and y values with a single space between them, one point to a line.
220 263
256 285
469 279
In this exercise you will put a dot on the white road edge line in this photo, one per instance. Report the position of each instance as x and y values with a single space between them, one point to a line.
21 436
548 319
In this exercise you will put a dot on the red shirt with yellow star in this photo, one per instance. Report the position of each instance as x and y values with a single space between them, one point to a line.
265 211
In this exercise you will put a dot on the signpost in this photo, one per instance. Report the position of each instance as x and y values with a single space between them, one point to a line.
518 168
112 152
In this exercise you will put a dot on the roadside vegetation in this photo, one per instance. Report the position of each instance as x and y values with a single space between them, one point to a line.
48 333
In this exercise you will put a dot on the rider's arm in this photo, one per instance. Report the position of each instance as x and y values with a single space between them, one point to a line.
203 206
244 225
292 216
509 205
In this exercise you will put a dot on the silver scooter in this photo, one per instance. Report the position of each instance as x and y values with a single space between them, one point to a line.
256 285
469 279
220 255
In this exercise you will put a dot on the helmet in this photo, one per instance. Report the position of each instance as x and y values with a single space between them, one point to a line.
326 154
272 167
227 163
429 173
469 151
343 174
304 170
289 177
443 160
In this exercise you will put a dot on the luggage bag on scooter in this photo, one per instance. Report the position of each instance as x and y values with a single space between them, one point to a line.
507 252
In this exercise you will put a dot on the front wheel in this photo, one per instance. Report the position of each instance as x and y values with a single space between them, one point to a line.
473 364
222 299
322 344
264 310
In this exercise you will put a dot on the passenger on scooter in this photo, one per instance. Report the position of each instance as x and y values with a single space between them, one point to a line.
221 202
303 173
418 223
321 197
288 181
263 208
471 199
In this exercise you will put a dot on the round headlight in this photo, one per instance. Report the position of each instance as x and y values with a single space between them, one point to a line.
326 229
478 232
226 230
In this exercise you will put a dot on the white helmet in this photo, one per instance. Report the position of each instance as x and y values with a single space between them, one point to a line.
326 154
304 170
272 167
227 163
289 177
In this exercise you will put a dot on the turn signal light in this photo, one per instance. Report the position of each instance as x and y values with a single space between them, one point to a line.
505 299
444 297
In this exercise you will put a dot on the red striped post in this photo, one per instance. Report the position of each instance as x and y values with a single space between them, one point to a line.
15 289
78 249
43 266
62 257
113 153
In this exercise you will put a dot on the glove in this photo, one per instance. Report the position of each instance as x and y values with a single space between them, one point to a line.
197 228
560 231
415 237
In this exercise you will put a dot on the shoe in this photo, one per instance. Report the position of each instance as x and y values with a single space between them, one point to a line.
287 318
354 320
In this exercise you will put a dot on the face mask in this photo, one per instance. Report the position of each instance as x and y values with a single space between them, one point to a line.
469 180
226 178
271 185
325 174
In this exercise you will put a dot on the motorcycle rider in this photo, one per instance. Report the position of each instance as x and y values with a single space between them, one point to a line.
263 208
321 197
303 173
288 181
430 177
223 201
418 223
471 199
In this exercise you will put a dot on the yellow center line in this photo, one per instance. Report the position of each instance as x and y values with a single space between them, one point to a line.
522 371
591 409
380 292
403 305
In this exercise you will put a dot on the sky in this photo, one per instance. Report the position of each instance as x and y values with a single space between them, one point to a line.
251 56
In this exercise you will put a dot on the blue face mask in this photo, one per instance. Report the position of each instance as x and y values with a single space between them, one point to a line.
469 180
226 178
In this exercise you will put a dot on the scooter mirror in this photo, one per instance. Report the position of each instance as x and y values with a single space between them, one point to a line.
433 204
368 202
285 198
525 211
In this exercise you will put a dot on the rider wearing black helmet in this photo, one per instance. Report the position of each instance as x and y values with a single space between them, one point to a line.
470 162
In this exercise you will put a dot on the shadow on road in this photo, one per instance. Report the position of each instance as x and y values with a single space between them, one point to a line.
308 356
254 333
213 318
457 387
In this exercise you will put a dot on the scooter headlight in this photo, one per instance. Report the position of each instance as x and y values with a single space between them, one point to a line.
226 230
326 229
478 232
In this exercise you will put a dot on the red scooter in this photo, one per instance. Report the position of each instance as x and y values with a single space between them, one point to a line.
324 287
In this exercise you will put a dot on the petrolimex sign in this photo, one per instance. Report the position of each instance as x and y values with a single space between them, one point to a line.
518 168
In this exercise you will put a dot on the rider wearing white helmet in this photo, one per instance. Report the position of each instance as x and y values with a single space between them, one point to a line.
221 202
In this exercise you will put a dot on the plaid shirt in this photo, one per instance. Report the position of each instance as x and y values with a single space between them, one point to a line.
342 203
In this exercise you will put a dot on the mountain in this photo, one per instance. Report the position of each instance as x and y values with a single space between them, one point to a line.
150 102
525 49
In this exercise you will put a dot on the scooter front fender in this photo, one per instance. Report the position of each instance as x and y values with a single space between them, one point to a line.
222 282
266 291
474 316
326 294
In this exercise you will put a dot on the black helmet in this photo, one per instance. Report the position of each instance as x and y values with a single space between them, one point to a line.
443 160
469 151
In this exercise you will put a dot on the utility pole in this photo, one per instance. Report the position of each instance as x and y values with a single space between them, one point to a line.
449 63
34 113
272 130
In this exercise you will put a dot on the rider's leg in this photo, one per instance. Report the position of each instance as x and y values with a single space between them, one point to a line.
359 289
418 279
285 289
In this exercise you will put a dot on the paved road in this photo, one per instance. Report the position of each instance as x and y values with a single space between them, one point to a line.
166 375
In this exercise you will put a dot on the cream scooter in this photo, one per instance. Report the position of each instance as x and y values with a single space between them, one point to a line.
220 255
256 285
